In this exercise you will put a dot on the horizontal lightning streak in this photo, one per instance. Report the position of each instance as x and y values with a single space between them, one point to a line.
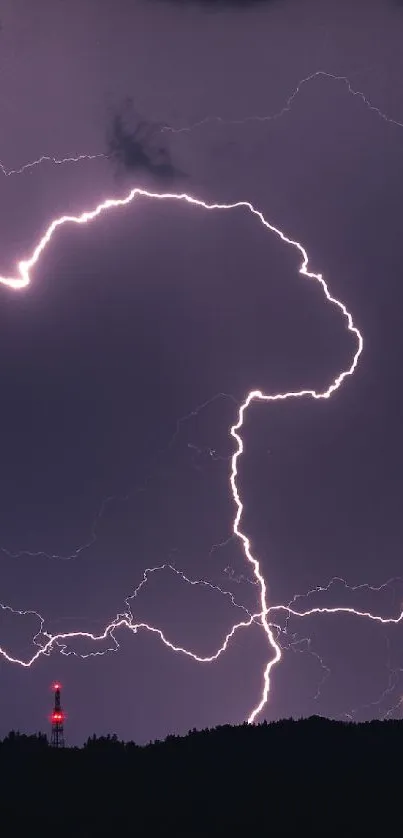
287 107
338 609
46 158
57 639
125 620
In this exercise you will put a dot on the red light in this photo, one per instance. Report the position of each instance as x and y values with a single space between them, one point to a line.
56 686
57 716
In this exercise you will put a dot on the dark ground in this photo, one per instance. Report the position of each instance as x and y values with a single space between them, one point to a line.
311 777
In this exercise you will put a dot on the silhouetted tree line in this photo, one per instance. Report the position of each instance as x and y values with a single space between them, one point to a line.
307 777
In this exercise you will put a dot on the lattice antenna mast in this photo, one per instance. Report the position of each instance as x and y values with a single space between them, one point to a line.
57 720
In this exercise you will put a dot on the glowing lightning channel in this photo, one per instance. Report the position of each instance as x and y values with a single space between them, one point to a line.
125 620
339 580
23 279
338 609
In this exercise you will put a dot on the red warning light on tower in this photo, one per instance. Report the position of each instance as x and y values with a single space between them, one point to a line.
57 719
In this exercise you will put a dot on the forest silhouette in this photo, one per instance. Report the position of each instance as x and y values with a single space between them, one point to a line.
310 777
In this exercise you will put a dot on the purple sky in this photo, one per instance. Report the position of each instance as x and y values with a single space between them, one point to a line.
133 322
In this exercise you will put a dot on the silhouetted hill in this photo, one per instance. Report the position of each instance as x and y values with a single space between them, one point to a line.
313 777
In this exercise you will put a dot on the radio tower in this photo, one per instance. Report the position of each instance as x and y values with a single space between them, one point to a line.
57 719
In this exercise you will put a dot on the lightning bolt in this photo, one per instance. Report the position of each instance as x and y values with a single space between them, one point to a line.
22 279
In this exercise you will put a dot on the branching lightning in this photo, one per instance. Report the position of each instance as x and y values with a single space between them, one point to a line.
124 620
287 107
46 642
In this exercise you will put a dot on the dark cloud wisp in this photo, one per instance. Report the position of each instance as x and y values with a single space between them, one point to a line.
138 149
